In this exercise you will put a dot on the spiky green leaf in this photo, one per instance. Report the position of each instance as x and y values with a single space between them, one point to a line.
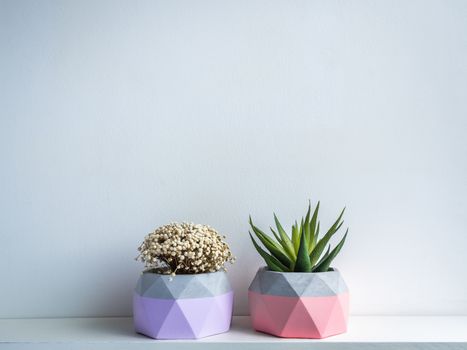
324 256
323 266
285 240
273 263
337 224
274 248
315 237
313 234
295 237
306 226
303 263
321 244
276 236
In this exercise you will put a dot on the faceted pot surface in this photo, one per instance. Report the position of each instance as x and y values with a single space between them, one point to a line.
182 306
299 304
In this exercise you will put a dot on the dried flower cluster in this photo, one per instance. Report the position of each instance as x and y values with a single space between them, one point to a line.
184 248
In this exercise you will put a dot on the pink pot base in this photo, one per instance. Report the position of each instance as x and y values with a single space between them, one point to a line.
299 317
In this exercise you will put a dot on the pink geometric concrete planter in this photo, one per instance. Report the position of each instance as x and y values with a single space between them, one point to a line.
182 306
299 304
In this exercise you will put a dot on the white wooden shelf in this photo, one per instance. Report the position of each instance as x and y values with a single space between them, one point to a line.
365 333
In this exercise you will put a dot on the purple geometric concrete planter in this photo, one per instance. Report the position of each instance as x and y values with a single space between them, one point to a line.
182 306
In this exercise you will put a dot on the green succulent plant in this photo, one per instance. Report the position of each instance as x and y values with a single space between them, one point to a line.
303 250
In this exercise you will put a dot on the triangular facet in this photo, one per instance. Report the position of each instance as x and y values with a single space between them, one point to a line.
196 313
337 322
157 289
318 288
320 309
218 315
195 288
259 313
271 283
176 288
175 323
144 283
298 283
279 309
156 310
255 285
300 324
139 314
342 286
344 303
331 280
224 306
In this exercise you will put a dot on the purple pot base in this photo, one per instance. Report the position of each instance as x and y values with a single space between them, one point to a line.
187 318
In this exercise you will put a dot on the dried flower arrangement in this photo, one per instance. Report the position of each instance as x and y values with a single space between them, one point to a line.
184 248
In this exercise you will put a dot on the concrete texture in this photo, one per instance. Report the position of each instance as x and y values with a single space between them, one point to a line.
300 284
202 285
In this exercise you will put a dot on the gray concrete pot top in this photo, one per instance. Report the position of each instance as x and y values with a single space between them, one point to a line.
298 284
202 285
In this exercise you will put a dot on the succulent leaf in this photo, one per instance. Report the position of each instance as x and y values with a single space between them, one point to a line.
324 265
321 244
316 236
274 248
337 224
323 257
313 230
295 237
285 240
273 263
303 251
306 226
303 263
276 236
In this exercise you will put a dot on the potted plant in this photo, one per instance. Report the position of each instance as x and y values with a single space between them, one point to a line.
184 291
299 294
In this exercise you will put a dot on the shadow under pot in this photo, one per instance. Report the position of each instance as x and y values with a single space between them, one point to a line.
182 306
299 304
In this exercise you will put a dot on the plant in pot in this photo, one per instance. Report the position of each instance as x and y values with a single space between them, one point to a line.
298 294
184 291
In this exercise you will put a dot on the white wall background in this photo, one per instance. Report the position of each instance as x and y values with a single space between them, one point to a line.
120 116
